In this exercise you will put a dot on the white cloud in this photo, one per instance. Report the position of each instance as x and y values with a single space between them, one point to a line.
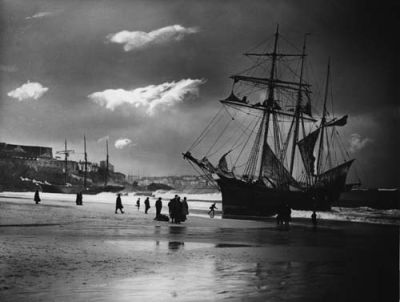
357 142
122 143
151 97
42 15
29 90
134 40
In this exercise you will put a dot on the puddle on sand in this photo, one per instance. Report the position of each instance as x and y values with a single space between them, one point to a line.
228 245
158 245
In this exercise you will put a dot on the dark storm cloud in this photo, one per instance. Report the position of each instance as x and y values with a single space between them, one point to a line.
66 52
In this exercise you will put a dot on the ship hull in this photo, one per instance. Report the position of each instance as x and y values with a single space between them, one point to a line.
242 199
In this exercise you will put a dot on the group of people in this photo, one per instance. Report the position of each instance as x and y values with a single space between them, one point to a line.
146 204
178 210
284 215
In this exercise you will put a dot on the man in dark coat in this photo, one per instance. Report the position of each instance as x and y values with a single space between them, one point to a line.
79 199
36 198
146 205
171 207
178 210
158 207
118 204
185 209
287 215
314 219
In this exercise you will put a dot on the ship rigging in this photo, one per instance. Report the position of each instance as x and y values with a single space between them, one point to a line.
279 151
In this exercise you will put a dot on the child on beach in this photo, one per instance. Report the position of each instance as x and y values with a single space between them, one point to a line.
212 210
138 204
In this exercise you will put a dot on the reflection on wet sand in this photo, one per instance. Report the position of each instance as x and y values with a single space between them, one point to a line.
225 278
175 245
157 245
176 230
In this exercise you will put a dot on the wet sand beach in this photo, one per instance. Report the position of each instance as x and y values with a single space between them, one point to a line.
57 251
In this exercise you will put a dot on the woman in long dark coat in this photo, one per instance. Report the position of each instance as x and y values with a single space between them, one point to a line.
118 204
36 198
178 210
185 209
146 205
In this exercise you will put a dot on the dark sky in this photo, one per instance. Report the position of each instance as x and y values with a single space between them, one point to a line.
162 88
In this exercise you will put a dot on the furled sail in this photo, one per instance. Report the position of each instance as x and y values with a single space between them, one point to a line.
223 165
204 163
306 147
233 98
337 122
273 169
306 108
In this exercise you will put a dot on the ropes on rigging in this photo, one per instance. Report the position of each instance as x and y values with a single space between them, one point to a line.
219 136
244 145
204 132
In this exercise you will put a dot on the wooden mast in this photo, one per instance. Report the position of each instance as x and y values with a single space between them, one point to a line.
66 161
66 153
269 102
106 172
298 112
85 171
323 120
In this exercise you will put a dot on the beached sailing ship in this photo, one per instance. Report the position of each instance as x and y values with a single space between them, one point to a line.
280 153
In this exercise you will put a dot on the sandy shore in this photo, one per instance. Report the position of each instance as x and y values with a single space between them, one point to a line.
57 251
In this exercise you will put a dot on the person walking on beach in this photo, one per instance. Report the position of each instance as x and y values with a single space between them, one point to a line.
118 204
158 207
287 215
79 198
314 219
279 216
146 205
138 204
185 209
36 198
212 210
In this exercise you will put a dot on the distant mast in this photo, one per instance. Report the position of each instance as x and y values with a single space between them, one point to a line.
66 161
66 153
85 171
106 173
